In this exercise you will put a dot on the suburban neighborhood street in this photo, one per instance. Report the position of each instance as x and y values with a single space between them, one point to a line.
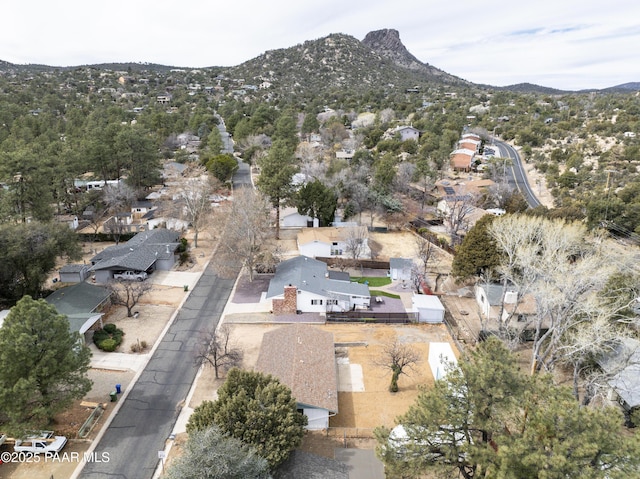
146 418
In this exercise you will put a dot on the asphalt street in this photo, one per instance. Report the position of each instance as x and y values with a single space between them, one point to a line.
146 418
516 172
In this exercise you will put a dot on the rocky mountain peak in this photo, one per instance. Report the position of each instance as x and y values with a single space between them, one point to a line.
387 43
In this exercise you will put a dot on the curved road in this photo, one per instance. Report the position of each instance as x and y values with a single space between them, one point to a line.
148 414
516 172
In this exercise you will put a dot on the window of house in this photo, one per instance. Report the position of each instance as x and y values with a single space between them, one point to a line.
316 302
331 302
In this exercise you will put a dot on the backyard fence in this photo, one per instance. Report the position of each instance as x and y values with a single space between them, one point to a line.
372 317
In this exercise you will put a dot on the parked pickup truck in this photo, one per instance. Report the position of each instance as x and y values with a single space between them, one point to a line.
43 442
131 275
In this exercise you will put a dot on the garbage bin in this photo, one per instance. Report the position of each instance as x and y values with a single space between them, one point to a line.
118 388
114 396
186 287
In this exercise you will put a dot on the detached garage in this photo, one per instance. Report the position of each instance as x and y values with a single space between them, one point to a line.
428 307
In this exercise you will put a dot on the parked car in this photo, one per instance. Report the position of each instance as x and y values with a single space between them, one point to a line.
43 442
131 275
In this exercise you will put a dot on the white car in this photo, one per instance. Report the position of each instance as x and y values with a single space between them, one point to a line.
131 275
43 442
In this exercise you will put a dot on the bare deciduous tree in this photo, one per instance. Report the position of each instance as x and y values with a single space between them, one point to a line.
216 349
425 252
191 200
356 241
247 237
117 199
397 358
456 215
128 293
564 267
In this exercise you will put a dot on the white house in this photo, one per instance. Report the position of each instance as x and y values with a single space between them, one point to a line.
428 307
305 284
302 357
333 242
290 218
407 133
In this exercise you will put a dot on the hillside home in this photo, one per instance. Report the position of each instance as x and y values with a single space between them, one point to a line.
302 357
307 285
407 133
461 160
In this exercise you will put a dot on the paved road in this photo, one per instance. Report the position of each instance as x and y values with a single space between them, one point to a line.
516 172
148 414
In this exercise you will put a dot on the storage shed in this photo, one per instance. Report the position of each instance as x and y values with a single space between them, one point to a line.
428 307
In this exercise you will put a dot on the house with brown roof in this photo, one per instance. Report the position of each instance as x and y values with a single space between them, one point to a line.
462 159
302 357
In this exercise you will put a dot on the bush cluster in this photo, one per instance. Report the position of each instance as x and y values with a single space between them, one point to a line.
108 338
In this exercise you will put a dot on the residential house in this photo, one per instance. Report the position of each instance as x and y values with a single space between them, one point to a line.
307 285
333 242
302 357
290 218
407 132
495 302
622 367
140 208
83 305
147 251
461 160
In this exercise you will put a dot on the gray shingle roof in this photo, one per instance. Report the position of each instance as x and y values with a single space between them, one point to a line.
400 263
311 275
139 253
623 364
73 268
302 357
79 298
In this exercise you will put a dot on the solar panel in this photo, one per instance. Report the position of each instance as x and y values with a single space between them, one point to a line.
450 191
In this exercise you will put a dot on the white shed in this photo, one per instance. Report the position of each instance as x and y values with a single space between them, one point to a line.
428 307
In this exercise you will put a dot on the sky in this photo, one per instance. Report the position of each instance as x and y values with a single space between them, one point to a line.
565 44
